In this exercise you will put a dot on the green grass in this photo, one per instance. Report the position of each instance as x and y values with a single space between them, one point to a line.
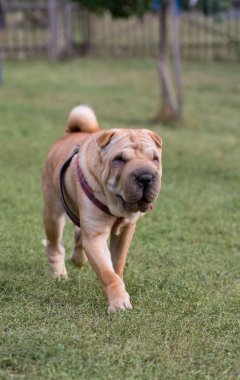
183 266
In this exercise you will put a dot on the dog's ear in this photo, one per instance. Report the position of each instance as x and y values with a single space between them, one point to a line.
157 139
105 138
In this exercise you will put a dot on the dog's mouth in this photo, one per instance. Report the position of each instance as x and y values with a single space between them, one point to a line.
140 204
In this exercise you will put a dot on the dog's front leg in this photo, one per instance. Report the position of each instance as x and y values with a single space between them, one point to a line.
100 258
119 247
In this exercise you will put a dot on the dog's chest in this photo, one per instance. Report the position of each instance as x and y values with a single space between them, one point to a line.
117 229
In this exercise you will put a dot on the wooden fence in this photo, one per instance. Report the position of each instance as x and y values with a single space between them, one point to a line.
58 29
40 28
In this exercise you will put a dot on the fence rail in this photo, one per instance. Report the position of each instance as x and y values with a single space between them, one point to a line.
57 29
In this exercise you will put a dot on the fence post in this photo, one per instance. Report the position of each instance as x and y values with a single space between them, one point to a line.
68 27
53 29
86 31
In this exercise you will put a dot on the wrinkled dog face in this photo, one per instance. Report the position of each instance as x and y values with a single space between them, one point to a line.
132 167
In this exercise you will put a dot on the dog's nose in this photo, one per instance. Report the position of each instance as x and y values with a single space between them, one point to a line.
145 179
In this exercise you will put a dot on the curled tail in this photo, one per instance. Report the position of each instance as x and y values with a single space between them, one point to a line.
82 119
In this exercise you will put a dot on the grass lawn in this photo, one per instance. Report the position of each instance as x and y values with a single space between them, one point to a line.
183 267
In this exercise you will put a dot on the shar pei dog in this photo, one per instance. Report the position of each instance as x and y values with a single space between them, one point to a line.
104 181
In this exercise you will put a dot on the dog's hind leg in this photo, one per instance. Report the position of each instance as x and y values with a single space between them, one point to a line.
54 222
79 257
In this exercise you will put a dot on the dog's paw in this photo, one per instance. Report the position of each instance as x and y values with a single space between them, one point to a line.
79 258
59 273
62 276
122 303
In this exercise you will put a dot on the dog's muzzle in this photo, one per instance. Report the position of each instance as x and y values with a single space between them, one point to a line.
140 190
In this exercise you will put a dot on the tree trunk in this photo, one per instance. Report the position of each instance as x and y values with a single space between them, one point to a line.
170 108
177 62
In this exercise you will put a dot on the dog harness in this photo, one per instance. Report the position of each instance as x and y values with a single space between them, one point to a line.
86 188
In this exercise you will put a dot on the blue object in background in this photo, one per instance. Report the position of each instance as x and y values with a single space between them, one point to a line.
177 7
2 17
156 6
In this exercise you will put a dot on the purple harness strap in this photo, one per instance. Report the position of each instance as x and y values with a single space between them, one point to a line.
86 188
66 164
88 191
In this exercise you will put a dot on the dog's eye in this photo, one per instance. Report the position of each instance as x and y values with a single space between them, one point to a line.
155 158
119 158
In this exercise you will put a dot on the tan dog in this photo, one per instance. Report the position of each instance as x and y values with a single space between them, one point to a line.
123 169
